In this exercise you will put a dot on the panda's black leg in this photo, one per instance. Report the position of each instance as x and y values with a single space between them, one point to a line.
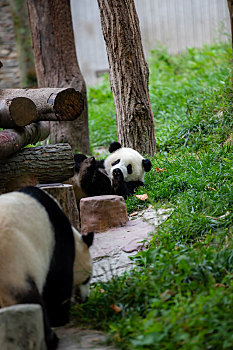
33 297
119 186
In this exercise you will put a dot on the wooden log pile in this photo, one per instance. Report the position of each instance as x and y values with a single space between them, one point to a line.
25 115
20 107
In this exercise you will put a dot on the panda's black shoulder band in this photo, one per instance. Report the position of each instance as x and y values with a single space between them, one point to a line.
114 146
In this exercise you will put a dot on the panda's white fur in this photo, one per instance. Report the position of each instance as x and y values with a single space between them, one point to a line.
27 247
82 266
126 156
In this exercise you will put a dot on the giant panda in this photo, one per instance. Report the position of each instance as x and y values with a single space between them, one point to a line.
121 173
42 257
90 177
125 168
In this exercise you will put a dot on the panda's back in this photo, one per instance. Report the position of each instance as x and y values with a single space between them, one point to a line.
26 240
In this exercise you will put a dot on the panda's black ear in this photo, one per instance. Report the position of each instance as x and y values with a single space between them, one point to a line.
147 165
78 159
88 238
114 146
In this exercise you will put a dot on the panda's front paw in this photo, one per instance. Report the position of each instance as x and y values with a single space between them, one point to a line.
117 175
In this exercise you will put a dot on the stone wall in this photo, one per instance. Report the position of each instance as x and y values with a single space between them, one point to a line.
9 73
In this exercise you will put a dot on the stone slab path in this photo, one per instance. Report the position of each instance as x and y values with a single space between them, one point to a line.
82 339
111 254
112 249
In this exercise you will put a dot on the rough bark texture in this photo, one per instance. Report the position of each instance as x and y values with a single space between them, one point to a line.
13 140
46 164
23 42
230 6
16 111
100 213
129 75
19 107
56 63
64 194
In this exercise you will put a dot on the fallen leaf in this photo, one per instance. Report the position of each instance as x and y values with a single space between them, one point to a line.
220 285
116 308
134 214
159 170
223 216
142 197
220 217
167 294
211 188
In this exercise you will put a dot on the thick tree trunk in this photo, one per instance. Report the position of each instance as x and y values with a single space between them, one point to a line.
230 6
19 107
129 75
43 164
13 140
23 41
56 63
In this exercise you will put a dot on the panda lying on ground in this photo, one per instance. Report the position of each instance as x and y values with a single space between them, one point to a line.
121 173
42 257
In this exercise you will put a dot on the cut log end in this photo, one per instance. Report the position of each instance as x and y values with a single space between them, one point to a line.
22 111
68 104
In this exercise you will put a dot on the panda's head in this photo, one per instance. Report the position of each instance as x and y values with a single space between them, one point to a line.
130 162
82 265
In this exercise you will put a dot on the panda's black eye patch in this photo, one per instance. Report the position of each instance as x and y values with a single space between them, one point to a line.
116 162
129 169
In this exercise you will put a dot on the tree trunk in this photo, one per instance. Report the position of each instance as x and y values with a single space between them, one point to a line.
19 107
23 42
56 64
230 6
44 164
129 75
13 140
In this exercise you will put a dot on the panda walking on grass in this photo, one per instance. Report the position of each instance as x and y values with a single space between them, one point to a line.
43 259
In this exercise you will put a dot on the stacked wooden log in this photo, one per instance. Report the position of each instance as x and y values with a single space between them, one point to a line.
25 115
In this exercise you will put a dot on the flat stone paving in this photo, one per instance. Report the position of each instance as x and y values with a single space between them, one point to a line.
82 339
111 254
112 249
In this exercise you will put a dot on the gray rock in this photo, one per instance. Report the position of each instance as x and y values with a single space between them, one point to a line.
21 328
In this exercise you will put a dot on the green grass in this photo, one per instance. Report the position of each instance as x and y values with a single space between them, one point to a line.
180 295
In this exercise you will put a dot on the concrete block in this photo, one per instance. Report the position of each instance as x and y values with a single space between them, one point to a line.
21 328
